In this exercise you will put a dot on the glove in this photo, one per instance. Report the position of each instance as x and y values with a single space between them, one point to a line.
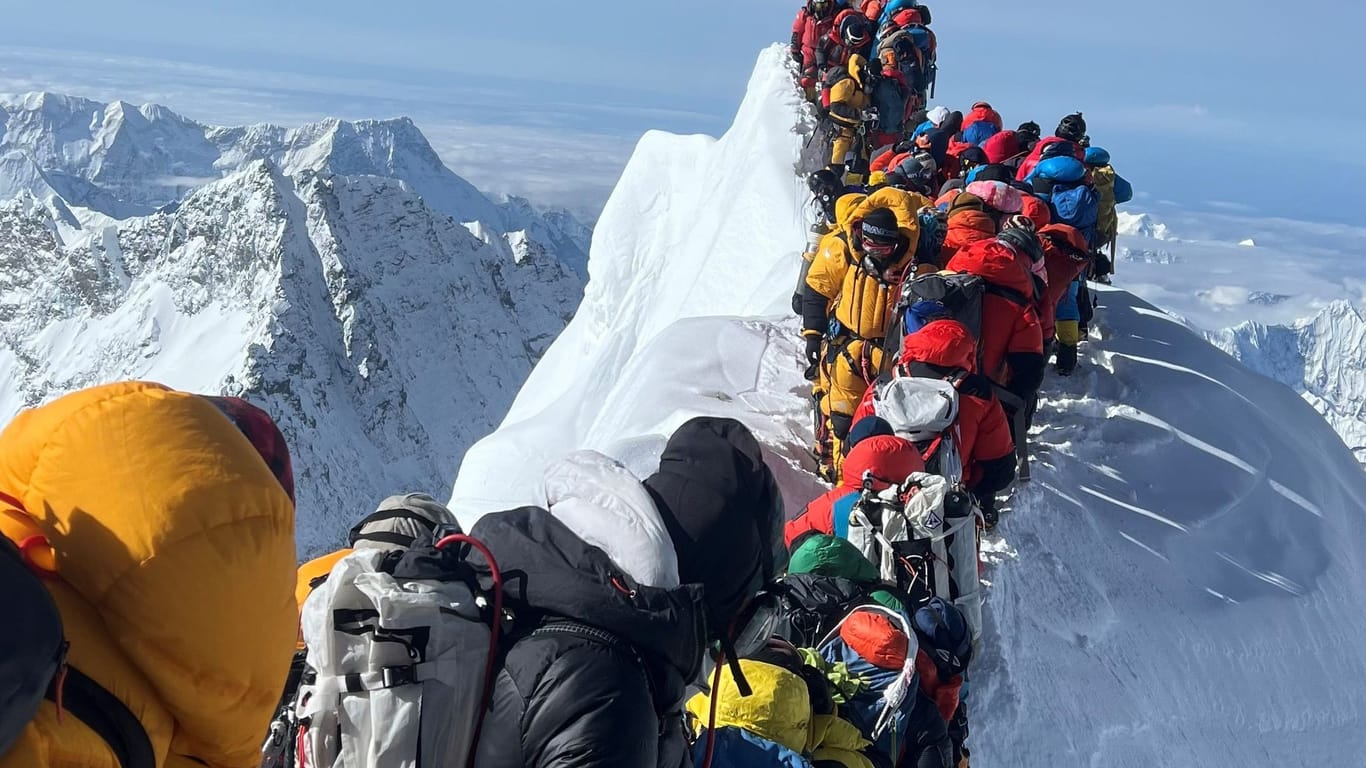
813 349
808 83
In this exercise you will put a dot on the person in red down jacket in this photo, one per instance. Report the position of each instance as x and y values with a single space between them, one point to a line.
1011 339
1071 130
944 349
890 459
814 21
1002 147
990 120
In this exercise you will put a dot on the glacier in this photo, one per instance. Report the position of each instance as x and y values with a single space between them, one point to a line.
1178 586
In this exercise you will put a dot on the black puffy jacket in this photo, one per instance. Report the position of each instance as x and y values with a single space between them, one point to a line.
597 671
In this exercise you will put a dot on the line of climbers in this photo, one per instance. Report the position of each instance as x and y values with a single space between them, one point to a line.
147 562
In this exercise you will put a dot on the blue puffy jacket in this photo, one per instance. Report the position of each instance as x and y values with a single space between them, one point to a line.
893 8
1068 307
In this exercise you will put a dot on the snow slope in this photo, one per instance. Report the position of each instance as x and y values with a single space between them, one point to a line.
122 160
1181 584
382 335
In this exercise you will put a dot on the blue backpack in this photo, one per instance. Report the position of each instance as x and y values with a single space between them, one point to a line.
1078 204
979 132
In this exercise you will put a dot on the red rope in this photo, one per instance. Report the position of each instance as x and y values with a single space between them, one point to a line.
460 538
711 717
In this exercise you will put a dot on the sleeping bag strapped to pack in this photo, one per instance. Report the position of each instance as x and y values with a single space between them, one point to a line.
878 646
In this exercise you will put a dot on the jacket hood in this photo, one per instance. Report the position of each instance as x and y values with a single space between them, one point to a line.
1001 147
891 459
825 555
723 510
968 226
602 502
778 711
845 208
549 569
994 262
1066 233
946 343
1036 210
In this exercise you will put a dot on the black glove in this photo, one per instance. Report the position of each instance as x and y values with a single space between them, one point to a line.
813 349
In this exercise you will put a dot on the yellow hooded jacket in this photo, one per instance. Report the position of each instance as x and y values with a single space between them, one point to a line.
847 102
174 550
780 711
1108 223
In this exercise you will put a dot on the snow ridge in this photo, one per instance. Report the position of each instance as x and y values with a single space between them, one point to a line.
1181 583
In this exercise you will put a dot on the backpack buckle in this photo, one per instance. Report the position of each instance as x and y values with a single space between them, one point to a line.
397 677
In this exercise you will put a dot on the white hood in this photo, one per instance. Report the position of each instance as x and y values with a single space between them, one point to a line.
601 501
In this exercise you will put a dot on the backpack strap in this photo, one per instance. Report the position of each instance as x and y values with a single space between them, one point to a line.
1009 294
106 715
389 537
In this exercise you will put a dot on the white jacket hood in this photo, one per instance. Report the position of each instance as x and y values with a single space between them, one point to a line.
602 502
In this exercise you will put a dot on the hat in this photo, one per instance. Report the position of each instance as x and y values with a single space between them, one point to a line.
880 226
866 427
974 155
944 635
1030 128
398 521
993 172
1022 242
1072 127
938 115
998 195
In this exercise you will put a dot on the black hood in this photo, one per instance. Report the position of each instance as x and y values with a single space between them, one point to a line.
723 510
548 569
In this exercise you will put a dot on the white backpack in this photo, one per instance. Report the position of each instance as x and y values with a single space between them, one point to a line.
924 410
927 544
401 654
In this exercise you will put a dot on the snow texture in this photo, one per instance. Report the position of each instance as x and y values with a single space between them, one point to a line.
1179 586
122 160
382 336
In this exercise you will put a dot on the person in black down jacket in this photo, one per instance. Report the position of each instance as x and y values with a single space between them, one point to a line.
618 588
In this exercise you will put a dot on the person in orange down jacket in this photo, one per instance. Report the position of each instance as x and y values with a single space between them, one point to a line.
890 459
945 349
1011 339
169 541
977 213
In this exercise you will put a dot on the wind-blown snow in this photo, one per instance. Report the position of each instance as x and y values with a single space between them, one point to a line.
1179 586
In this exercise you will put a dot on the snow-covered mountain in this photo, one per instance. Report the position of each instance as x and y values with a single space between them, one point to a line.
383 336
1179 586
121 161
1323 358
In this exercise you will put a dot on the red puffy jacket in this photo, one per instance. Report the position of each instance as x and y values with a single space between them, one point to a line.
1061 242
983 433
811 31
982 111
1009 323
888 458
1029 163
1001 147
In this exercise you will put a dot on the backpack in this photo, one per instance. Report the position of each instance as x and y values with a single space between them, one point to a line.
29 658
922 535
924 411
401 659
833 76
810 605
1077 204
867 640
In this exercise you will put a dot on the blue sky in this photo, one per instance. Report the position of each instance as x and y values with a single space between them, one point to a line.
1240 107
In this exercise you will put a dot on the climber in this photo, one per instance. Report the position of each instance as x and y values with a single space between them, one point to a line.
845 92
1114 190
1070 132
813 23
945 349
166 511
851 34
852 282
1068 258
969 160
978 213
826 188
981 123
1011 341
890 459
630 582
936 141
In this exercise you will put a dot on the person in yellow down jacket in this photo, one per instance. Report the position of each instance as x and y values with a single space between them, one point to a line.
846 100
846 307
168 538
